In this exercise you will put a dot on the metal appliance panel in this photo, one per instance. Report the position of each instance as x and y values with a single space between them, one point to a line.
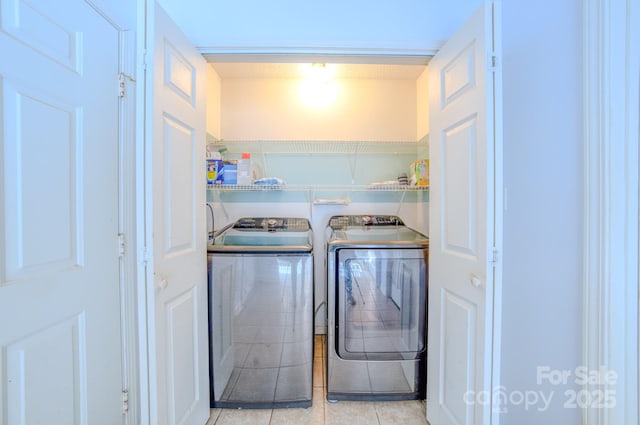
380 297
261 314
377 290
261 320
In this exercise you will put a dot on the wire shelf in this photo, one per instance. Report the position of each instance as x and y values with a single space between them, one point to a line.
297 147
318 188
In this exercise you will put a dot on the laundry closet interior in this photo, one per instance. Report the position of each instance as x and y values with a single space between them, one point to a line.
340 157
338 201
348 146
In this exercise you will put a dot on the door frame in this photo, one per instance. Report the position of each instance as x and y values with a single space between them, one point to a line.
611 93
394 56
611 234
145 391
129 261
127 220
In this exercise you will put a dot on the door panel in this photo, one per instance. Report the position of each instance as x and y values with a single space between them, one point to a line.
461 274
176 139
459 317
43 243
47 372
41 28
458 75
182 318
458 163
179 151
60 342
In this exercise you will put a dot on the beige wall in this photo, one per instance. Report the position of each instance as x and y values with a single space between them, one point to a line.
213 102
271 109
422 89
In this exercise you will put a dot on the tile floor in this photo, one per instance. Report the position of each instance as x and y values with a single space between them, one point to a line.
324 413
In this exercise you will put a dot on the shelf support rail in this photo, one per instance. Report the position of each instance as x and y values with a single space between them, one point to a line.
404 192
353 162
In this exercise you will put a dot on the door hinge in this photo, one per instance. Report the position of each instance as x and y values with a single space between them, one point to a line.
494 256
121 244
143 59
493 61
125 401
121 85
146 256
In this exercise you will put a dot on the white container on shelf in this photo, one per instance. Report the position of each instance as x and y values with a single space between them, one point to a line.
244 170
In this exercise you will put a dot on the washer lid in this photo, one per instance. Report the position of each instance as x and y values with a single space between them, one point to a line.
265 234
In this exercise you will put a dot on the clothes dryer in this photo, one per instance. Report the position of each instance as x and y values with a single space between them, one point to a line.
377 286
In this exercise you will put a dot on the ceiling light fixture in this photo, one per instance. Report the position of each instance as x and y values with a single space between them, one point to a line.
318 90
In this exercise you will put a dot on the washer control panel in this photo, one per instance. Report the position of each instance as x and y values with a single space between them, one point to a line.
272 223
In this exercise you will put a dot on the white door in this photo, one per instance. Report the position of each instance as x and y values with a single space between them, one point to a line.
461 272
176 183
60 337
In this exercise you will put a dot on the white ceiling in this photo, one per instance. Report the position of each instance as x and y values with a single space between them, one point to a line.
298 70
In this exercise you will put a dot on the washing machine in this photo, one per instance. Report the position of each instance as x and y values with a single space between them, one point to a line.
261 314
377 288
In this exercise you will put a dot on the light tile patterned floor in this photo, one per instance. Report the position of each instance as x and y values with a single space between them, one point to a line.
324 413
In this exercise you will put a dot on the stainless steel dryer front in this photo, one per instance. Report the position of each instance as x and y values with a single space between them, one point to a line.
377 309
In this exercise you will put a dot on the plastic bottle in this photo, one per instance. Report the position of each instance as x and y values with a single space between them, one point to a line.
244 170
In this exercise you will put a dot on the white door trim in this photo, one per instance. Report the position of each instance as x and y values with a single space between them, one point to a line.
127 212
498 209
143 216
129 305
611 121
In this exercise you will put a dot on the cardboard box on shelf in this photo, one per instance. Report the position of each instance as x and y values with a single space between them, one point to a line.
419 172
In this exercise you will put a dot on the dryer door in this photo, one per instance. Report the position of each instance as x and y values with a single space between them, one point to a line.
381 303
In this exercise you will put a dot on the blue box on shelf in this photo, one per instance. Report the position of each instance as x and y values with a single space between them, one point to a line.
215 171
230 175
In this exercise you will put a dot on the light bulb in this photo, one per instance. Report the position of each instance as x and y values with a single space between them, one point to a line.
318 90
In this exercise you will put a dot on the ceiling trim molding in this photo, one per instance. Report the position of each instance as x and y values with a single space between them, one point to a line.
321 54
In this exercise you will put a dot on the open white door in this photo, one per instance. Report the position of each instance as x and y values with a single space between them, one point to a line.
175 183
60 329
461 267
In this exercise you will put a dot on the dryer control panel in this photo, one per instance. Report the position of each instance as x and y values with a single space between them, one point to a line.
343 221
